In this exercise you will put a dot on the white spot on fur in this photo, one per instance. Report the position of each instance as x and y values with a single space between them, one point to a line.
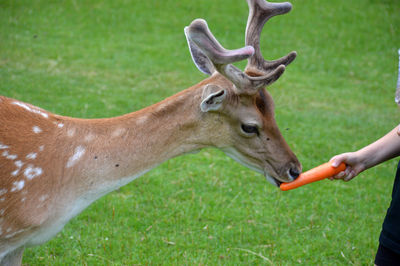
89 137
32 172
19 164
142 120
78 153
36 129
23 199
71 132
31 156
41 148
118 132
161 106
43 198
3 147
15 172
60 125
3 191
2 199
31 109
18 185
9 156
12 157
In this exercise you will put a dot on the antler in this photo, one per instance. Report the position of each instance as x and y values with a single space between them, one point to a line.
259 13
201 39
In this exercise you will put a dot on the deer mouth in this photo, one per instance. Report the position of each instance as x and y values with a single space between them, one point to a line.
277 182
274 181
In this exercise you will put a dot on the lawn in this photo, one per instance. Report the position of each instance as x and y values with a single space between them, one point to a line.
95 59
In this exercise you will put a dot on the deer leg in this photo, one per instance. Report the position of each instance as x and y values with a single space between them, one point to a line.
13 258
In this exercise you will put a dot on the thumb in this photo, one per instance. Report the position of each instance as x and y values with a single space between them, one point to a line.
338 159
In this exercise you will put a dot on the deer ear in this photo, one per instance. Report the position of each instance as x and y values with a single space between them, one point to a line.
213 97
202 62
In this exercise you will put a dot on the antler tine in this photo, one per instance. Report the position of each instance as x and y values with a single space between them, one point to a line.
201 35
260 11
222 59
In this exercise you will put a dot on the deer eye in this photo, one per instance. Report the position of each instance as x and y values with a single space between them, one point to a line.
250 129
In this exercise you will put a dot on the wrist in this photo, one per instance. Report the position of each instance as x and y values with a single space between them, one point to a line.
364 160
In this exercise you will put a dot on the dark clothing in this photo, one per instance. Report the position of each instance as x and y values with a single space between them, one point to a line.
386 257
390 235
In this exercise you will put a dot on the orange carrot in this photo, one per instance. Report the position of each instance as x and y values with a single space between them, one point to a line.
318 173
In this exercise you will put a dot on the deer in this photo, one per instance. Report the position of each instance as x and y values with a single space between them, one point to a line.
52 167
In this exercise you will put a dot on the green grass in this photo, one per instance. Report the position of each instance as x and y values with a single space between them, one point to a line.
105 58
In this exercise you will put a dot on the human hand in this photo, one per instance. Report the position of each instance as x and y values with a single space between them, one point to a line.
354 165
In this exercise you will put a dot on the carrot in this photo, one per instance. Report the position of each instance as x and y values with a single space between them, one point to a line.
318 173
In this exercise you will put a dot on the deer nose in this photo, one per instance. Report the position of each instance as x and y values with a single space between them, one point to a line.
294 172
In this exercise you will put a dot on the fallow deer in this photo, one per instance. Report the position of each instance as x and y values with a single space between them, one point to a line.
52 167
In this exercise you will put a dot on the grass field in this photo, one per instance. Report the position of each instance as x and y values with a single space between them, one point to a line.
105 58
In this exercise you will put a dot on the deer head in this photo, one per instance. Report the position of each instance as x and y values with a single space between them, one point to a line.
238 100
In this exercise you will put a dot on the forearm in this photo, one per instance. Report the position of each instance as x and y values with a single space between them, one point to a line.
381 150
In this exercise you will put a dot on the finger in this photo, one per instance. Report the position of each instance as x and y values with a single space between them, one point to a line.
349 177
352 173
338 176
398 130
337 160
344 174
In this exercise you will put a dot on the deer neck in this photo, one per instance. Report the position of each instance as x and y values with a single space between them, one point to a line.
112 152
144 139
